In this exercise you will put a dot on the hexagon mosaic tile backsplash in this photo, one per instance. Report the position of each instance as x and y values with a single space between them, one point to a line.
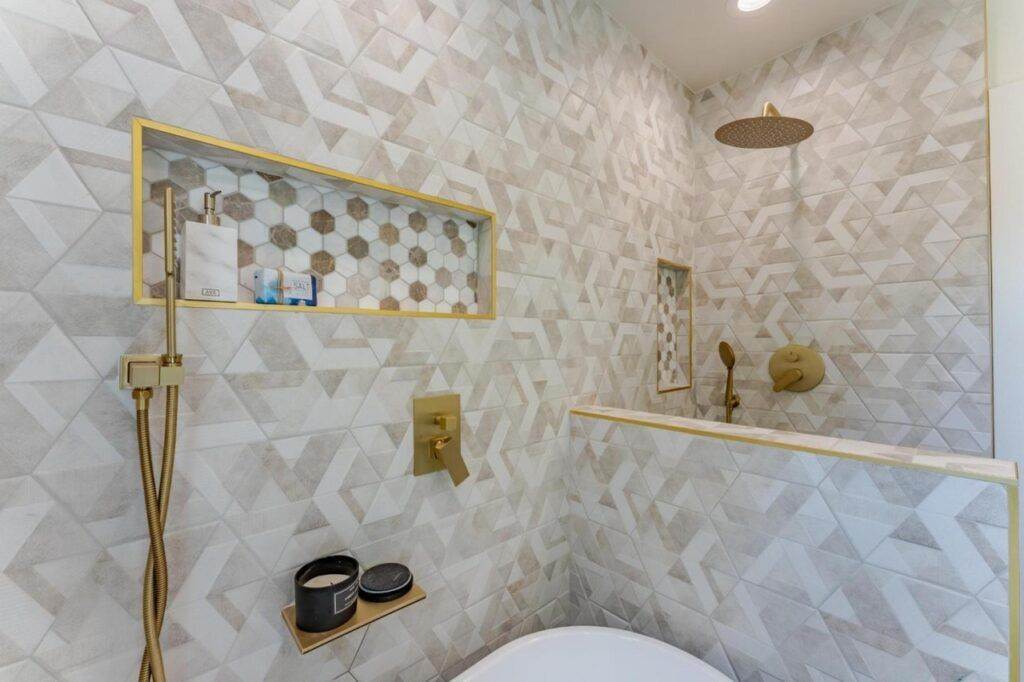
364 253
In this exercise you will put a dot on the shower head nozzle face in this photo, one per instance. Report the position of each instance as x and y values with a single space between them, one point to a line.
767 131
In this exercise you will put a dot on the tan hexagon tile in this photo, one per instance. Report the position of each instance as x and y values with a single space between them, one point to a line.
322 263
389 270
186 173
281 192
417 291
417 221
321 221
417 256
358 247
238 206
389 234
282 236
357 208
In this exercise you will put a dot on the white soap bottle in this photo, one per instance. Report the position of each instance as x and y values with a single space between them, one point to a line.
209 257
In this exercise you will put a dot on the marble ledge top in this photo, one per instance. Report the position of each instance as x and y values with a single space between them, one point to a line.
967 466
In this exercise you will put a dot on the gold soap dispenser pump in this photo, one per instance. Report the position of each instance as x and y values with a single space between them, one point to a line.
210 216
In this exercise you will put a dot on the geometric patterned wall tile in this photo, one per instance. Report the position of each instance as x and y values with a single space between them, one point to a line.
296 436
890 201
295 429
805 565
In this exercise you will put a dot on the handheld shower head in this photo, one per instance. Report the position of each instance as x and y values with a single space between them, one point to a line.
726 353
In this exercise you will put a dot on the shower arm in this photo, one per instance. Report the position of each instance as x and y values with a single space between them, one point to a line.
143 373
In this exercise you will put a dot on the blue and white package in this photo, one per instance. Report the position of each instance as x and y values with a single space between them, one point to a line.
278 287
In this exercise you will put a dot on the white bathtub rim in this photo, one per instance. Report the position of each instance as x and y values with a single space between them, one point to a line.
492 659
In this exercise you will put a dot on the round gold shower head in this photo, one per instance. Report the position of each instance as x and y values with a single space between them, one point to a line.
767 131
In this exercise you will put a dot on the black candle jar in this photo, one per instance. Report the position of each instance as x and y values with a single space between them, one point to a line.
318 609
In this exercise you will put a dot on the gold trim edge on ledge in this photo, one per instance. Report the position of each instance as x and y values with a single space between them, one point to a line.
272 307
755 435
366 612
140 125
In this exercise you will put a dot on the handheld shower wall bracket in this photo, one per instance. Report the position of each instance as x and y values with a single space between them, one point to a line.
150 371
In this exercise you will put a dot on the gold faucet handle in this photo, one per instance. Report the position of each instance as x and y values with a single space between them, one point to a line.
452 459
446 422
438 443
787 379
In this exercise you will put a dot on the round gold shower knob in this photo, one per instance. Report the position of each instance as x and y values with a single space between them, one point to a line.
796 368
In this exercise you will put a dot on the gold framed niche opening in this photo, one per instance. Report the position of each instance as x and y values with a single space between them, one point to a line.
420 296
674 351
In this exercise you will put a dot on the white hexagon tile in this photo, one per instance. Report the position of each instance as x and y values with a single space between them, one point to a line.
364 253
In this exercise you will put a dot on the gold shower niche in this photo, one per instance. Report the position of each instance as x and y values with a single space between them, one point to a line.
373 248
675 326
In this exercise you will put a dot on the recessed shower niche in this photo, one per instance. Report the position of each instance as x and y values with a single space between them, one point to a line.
372 248
675 326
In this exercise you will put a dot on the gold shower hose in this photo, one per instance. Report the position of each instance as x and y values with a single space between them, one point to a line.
169 375
154 587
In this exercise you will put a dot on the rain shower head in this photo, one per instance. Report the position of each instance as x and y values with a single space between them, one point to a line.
767 131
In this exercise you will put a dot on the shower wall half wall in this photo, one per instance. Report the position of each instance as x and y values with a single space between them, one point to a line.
781 556
869 241
296 428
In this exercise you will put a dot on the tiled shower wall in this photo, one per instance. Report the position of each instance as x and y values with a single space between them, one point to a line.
868 242
772 564
295 428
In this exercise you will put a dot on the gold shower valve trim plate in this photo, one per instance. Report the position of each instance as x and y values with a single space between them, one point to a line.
437 436
796 368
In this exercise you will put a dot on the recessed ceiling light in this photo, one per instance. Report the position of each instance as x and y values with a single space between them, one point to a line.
750 5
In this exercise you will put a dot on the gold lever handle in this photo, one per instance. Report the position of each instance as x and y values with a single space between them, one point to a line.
787 378
438 443
451 459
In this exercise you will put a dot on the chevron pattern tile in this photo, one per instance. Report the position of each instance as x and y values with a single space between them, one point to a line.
778 565
296 436
878 221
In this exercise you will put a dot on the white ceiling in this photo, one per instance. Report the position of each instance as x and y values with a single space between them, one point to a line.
704 42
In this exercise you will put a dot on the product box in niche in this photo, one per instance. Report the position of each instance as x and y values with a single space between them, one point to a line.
209 262
280 287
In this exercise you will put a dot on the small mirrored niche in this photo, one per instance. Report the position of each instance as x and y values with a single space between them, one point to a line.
675 326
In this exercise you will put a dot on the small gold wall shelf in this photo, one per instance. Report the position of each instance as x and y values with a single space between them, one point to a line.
366 613
373 248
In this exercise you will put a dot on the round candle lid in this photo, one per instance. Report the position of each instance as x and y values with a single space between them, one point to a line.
385 582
